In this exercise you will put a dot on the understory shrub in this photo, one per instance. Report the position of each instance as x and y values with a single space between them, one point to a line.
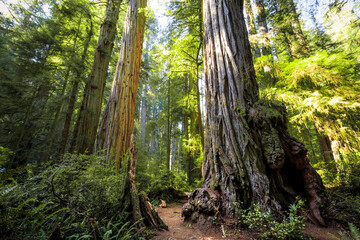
353 234
80 194
167 185
291 226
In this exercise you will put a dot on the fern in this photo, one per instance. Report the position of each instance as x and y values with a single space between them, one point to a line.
354 234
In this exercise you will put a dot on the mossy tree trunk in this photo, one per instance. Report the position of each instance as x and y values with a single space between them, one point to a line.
117 122
116 127
249 155
79 71
90 111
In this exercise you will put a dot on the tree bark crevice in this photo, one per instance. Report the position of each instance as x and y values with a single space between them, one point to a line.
249 155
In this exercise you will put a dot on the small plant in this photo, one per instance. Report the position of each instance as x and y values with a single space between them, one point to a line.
291 227
354 234
254 218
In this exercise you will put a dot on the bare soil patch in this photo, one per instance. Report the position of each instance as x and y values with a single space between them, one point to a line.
179 230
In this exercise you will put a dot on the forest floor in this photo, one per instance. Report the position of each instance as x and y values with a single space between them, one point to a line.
179 230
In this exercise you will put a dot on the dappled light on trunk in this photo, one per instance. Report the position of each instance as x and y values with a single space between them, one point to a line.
249 155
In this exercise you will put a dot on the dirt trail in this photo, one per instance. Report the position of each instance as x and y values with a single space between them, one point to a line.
178 230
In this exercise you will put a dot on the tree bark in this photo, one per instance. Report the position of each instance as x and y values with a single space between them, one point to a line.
263 29
89 115
75 88
325 147
252 27
168 131
173 153
143 213
249 155
143 115
118 119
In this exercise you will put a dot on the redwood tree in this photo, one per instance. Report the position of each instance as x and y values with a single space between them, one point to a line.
249 155
117 122
90 111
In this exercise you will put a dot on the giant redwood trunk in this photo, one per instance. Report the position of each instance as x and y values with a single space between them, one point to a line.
117 123
116 126
90 111
249 155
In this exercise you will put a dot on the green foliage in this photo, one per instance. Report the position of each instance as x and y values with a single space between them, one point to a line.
291 226
5 155
167 185
354 234
320 90
81 193
343 204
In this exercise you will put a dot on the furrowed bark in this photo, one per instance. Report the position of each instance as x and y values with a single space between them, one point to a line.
89 114
249 155
79 71
143 213
117 123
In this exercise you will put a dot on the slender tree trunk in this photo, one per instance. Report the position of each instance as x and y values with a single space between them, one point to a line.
168 132
118 119
290 27
263 28
325 147
249 155
75 88
89 115
173 153
143 115
252 28
250 17
301 40
199 116
188 159
49 138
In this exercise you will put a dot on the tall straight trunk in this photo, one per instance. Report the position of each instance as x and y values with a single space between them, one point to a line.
289 25
75 88
116 127
117 123
199 116
263 28
173 153
168 132
18 159
49 138
252 27
249 155
89 115
143 115
298 30
188 159
325 147
250 17
195 130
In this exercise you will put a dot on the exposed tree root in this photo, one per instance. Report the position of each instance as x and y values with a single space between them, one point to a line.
287 169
